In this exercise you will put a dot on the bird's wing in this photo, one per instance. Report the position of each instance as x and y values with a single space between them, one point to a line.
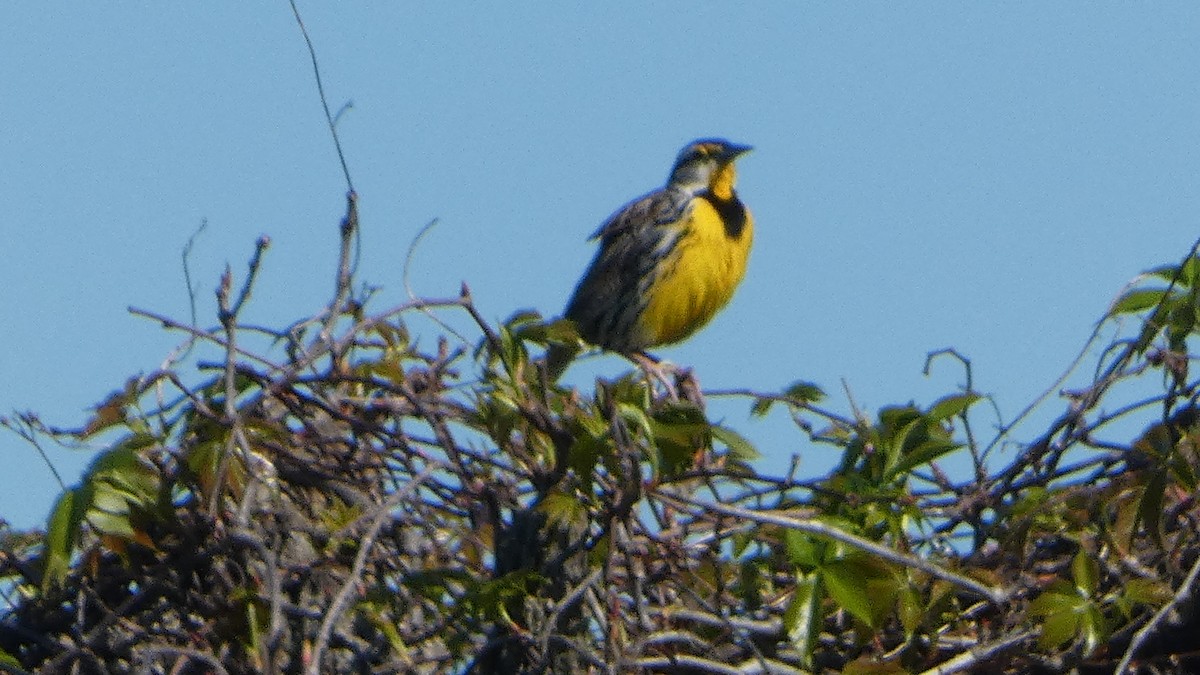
611 295
661 207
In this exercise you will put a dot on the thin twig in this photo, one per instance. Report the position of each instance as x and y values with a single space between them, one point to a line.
975 656
227 312
996 595
406 278
342 599
312 53
702 665
146 654
187 279
25 427
1139 638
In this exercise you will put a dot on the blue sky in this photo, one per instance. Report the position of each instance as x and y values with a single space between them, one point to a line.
982 176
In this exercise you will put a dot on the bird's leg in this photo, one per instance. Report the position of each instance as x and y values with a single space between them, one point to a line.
656 370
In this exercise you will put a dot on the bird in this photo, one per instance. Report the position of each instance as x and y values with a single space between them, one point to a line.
667 261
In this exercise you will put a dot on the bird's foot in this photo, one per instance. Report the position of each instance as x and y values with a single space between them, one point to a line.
678 383
657 371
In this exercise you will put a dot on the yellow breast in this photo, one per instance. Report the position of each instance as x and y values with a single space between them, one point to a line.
699 276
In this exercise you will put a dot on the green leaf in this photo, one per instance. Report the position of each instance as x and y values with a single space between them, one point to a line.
1150 509
1189 273
1183 470
562 331
62 532
203 461
910 609
1137 300
894 418
803 549
395 336
585 451
803 618
685 417
631 388
741 541
123 467
761 406
635 417
111 524
1094 629
751 587
1167 272
1062 607
111 500
951 406
1033 500
562 509
1151 327
11 665
863 586
525 322
922 454
511 349
489 599
1184 276
1181 321
740 448
1146 592
256 624
528 326
1058 628
1086 573
679 431
376 611
804 392
436 584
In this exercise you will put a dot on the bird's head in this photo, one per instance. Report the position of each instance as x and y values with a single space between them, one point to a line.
707 164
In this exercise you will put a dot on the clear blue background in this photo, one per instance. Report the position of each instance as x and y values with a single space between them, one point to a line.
979 176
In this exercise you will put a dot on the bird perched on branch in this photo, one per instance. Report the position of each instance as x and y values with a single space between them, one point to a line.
668 261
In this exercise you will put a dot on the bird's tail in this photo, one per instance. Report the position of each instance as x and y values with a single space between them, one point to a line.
558 357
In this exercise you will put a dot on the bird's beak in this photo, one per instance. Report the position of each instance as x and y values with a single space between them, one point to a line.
733 151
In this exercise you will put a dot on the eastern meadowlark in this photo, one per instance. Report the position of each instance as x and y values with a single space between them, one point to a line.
668 261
